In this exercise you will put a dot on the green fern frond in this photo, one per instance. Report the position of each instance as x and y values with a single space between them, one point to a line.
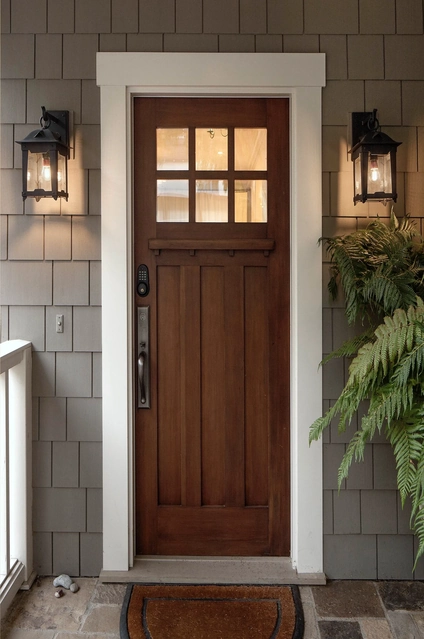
351 347
316 429
322 423
387 404
379 267
362 364
382 291
411 364
398 349
333 288
418 529
417 493
346 405
420 304
407 443
344 259
354 451
417 511
394 222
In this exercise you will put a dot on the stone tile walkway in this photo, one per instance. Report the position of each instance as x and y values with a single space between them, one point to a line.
364 610
339 610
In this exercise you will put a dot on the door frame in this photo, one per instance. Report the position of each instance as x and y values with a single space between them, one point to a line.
121 77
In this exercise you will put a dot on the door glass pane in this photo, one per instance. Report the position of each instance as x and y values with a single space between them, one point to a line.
172 149
250 149
250 201
211 149
172 201
211 200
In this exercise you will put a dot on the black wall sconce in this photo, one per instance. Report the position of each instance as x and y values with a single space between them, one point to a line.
45 154
374 159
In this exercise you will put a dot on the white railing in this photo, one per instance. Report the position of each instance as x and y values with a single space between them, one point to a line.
16 560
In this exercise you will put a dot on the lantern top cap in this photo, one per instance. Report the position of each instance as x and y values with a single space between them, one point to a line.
54 132
365 130
375 138
42 136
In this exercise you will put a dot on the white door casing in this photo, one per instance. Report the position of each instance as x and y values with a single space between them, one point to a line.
299 76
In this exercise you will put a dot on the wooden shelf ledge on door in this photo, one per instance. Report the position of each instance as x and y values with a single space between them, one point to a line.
266 245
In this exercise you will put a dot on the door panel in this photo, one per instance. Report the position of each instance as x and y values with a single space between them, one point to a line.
256 401
240 531
168 388
212 451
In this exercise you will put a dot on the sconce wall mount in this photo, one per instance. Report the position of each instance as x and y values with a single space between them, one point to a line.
45 154
374 159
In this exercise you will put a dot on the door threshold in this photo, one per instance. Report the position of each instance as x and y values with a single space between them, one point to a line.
212 570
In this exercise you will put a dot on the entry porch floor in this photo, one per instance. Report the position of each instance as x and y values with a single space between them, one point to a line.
338 610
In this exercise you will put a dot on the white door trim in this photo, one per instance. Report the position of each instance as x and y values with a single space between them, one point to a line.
300 77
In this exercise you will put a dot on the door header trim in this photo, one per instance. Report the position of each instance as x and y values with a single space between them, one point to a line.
203 71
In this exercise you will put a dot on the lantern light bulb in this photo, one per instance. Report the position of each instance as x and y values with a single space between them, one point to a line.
375 174
46 172
374 170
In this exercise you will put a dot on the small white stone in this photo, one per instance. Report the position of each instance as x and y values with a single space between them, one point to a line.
74 587
63 580
58 593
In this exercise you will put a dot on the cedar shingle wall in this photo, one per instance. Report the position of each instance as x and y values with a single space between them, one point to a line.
51 256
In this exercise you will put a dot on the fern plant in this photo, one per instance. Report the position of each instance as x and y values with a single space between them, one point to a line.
380 269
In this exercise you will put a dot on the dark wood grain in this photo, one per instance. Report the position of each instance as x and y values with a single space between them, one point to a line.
169 388
266 244
218 531
191 386
213 385
234 386
257 386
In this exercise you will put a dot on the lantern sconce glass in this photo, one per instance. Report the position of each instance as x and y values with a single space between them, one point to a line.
374 159
45 154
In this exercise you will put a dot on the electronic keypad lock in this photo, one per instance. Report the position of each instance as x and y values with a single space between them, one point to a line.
143 286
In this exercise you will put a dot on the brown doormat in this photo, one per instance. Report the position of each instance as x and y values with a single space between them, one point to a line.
211 612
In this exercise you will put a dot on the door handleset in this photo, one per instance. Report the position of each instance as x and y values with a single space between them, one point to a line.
143 360
141 385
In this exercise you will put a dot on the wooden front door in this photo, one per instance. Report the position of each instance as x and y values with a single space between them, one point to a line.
211 194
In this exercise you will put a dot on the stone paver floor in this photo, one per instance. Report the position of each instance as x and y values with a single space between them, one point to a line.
339 610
